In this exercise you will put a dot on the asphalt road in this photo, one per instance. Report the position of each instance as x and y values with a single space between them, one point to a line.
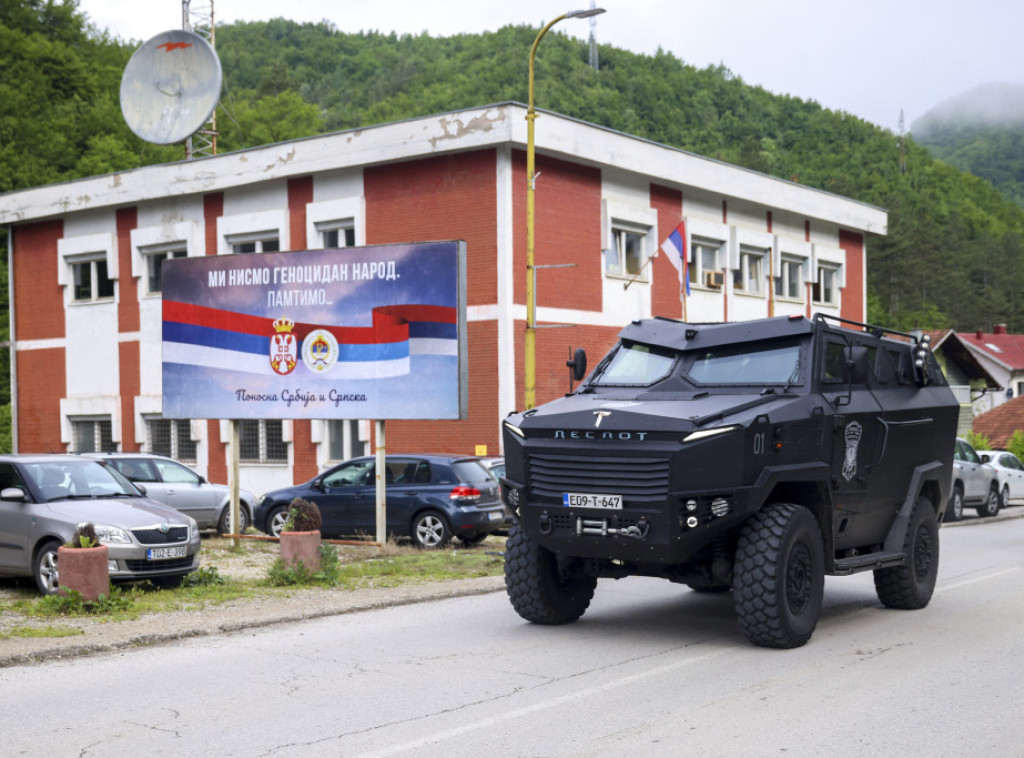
652 669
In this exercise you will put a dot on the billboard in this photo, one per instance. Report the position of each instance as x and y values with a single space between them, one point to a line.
368 332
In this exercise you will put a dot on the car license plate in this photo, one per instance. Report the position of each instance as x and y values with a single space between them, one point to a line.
581 500
160 553
495 515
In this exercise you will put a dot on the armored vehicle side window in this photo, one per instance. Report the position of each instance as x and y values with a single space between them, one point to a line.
774 363
635 364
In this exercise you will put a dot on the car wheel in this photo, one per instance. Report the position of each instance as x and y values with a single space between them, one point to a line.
541 589
430 529
955 509
1004 496
910 587
44 568
779 576
276 520
167 582
224 525
991 506
475 540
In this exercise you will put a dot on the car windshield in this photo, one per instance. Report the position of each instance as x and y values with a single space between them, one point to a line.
774 363
635 364
61 480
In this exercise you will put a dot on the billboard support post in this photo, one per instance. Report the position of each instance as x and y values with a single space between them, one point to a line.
381 513
233 487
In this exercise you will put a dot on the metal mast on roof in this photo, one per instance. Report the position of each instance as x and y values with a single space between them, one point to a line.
593 36
198 19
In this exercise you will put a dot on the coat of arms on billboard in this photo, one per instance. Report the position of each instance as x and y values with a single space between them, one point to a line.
319 350
283 346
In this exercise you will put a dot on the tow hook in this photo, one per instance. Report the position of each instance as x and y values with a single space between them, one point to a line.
544 523
589 526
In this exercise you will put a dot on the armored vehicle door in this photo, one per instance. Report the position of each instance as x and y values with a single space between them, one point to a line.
857 437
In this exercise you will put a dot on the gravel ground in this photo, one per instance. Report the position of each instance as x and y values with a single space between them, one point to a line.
99 635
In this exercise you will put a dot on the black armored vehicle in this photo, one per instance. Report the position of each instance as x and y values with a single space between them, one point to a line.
754 456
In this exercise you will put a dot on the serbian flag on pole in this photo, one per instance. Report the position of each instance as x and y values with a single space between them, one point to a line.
675 249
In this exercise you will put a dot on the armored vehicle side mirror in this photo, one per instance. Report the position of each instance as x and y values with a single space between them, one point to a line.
858 364
578 364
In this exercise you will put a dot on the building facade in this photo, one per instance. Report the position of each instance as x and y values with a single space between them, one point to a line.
86 257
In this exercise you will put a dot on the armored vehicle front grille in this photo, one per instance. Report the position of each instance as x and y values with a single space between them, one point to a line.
638 480
153 536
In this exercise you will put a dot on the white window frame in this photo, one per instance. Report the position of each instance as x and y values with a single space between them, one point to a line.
97 433
92 261
344 228
262 453
176 451
831 271
749 277
153 253
703 248
784 280
618 238
344 434
258 240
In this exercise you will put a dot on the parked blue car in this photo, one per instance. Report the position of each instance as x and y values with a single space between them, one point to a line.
430 499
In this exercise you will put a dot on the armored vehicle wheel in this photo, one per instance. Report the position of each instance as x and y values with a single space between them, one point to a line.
910 586
541 590
779 576
955 509
991 506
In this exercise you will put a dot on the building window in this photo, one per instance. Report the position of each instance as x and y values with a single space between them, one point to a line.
262 441
706 269
91 282
747 278
824 290
343 440
336 234
171 437
155 266
626 256
789 282
92 435
259 242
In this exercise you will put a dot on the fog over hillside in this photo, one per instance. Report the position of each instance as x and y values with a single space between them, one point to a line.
990 105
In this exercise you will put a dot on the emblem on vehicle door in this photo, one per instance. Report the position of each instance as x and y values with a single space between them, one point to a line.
600 416
853 434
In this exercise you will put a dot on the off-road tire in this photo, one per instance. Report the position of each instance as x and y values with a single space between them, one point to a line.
910 587
779 576
955 509
991 506
540 591
224 524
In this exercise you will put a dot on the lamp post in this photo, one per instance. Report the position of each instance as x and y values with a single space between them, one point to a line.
530 357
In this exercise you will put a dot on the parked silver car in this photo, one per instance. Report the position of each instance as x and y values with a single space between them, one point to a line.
44 498
975 484
1011 475
175 484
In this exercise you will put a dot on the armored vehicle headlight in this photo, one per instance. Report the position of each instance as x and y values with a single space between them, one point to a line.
515 430
720 506
691 505
705 433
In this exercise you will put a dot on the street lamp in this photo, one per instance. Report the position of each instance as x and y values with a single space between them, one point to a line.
530 359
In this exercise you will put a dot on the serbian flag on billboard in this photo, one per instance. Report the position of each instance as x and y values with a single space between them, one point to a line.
675 248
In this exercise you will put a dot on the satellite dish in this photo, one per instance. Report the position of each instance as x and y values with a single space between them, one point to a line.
170 87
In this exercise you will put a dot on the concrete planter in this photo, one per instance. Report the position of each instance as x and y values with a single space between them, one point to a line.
301 546
85 570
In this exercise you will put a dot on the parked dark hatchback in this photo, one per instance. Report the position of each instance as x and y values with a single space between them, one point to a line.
430 499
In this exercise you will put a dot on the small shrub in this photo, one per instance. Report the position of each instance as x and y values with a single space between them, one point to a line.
978 441
279 575
1016 444
84 536
203 577
72 603
303 516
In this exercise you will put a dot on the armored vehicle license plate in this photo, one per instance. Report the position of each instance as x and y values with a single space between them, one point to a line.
161 553
581 500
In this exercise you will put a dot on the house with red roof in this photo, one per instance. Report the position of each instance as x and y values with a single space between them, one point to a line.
1000 423
1001 355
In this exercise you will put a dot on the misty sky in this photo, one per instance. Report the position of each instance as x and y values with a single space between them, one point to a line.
871 58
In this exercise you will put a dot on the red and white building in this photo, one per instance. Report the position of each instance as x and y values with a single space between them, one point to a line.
85 262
